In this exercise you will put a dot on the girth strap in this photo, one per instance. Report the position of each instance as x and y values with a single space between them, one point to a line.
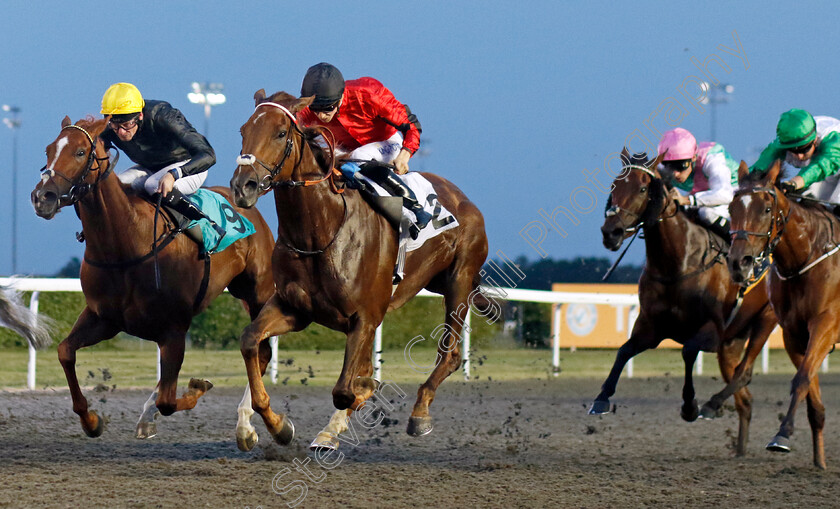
202 290
134 261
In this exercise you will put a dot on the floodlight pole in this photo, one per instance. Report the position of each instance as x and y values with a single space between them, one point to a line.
208 94
716 94
13 124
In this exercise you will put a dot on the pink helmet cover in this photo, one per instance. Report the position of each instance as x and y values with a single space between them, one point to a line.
679 143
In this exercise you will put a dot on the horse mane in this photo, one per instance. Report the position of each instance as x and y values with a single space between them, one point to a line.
658 189
753 177
94 126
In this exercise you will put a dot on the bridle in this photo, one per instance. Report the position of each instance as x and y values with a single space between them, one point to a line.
774 232
614 210
269 181
78 186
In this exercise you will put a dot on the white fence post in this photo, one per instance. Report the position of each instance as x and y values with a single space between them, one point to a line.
33 354
466 350
698 366
274 341
765 358
377 353
632 314
555 343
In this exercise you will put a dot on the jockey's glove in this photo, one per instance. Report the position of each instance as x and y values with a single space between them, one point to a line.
788 186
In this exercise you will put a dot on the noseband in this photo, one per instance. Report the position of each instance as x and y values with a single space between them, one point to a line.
78 187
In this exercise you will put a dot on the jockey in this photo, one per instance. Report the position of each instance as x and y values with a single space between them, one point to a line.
170 157
706 172
811 144
368 123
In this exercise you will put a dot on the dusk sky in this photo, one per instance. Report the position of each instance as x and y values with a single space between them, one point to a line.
519 101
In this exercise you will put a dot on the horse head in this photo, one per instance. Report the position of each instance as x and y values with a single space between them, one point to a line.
637 197
271 145
758 215
75 163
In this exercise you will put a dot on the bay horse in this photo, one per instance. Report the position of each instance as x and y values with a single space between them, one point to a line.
685 293
803 239
334 260
118 271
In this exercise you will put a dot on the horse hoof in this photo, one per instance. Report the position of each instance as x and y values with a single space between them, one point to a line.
146 430
286 434
200 385
779 444
97 430
690 412
419 426
247 440
709 412
599 407
324 442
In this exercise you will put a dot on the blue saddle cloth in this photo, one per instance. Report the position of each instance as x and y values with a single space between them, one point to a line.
222 212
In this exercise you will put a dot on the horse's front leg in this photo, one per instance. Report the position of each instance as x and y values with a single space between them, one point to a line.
762 327
643 338
822 332
246 435
171 358
88 330
708 338
689 409
355 385
274 320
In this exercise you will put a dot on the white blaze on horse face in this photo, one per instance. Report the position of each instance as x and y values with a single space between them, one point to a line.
745 199
59 146
257 118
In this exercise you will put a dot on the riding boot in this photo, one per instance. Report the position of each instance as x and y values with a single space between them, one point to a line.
721 227
183 205
389 181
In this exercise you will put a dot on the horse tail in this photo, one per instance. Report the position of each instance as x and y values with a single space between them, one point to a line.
16 316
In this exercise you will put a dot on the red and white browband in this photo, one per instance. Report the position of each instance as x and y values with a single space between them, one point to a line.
282 108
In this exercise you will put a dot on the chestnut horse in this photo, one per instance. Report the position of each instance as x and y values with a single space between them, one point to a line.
118 272
804 284
334 260
684 294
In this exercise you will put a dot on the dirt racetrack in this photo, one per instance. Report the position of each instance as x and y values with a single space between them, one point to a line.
495 444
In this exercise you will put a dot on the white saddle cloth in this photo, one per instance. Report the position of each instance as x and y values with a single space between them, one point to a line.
442 219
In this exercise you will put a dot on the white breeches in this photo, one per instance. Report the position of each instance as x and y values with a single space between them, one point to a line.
142 179
382 151
711 214
827 190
